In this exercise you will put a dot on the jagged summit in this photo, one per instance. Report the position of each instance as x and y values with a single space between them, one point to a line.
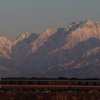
5 42
3 38
24 36
86 20
83 21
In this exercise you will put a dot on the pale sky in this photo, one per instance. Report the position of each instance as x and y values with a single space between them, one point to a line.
21 16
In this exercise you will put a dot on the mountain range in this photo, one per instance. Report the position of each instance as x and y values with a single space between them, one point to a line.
71 51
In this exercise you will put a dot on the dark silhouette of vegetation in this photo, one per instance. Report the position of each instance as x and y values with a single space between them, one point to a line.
48 96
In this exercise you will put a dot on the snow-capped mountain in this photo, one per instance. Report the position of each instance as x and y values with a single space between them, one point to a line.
72 51
6 64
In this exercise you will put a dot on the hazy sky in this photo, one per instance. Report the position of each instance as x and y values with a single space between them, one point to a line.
21 16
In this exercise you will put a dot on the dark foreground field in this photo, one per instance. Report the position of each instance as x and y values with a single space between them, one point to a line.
48 96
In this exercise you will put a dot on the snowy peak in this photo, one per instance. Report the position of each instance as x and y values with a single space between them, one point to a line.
4 40
86 20
83 23
5 47
82 31
21 37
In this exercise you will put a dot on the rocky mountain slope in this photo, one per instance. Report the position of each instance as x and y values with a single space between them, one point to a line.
6 64
72 51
